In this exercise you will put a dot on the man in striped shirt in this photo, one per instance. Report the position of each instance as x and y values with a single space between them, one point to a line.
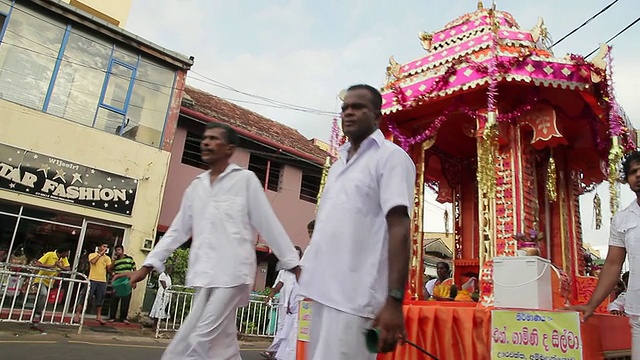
122 263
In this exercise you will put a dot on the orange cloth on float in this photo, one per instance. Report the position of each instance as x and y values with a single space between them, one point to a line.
461 331
456 331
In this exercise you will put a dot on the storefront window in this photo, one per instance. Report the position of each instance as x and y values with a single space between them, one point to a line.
52 216
29 233
7 226
9 208
34 238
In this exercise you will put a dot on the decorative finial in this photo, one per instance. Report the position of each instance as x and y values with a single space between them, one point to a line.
480 5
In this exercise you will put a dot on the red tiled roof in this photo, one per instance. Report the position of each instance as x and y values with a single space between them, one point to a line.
232 114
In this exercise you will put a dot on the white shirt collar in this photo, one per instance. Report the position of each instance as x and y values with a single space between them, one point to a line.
231 167
377 137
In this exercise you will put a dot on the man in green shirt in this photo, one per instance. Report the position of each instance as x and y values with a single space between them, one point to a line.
122 263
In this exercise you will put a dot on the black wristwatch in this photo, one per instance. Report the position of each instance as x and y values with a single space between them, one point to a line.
396 294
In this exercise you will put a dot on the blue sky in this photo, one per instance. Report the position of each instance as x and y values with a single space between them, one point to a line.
304 52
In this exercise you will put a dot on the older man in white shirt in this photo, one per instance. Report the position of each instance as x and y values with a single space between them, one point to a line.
220 211
356 266
624 240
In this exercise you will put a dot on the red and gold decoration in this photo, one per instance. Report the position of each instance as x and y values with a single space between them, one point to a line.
533 132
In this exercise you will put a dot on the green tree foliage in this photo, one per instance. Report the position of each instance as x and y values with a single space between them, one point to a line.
178 264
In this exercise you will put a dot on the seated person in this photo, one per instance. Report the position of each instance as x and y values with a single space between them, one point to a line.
441 288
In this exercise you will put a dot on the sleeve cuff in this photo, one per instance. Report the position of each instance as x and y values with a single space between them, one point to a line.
155 264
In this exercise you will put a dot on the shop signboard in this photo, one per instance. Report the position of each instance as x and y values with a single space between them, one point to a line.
41 175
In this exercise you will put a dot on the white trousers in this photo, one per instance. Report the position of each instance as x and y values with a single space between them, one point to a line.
287 347
635 337
337 335
209 332
279 337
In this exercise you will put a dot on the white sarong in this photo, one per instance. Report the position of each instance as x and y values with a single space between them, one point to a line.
209 332
337 335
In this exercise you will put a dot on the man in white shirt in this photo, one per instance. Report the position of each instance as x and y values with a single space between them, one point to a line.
624 240
283 285
356 266
220 211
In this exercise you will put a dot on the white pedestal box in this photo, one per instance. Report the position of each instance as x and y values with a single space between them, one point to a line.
522 282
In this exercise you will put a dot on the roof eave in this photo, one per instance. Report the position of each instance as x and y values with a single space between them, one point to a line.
198 116
103 27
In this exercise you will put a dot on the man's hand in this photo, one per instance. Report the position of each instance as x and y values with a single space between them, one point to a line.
586 310
296 271
390 322
134 276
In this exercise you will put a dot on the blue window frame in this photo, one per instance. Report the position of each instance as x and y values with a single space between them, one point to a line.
120 75
5 20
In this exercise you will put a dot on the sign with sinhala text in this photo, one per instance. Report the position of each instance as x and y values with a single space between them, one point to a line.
304 320
31 173
535 335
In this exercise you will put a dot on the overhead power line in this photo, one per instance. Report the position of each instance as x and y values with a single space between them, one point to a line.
584 23
615 36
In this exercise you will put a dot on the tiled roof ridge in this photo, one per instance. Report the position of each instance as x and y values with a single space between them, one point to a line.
249 120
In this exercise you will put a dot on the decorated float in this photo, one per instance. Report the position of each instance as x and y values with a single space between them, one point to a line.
511 135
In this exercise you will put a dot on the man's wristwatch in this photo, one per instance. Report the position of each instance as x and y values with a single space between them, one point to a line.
396 294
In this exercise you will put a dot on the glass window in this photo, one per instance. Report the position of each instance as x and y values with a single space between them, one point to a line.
7 226
5 5
27 57
125 56
76 92
10 208
118 83
44 214
35 238
3 18
109 121
149 102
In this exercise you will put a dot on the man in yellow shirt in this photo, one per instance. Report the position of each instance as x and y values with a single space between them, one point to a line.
99 264
53 261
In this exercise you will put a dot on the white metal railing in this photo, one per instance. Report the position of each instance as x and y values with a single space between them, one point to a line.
259 318
27 297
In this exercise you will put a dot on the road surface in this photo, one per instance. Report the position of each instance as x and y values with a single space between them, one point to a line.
60 348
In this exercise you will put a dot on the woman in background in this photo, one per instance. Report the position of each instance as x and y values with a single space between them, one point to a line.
160 309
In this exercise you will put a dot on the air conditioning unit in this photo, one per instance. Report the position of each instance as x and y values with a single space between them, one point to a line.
147 244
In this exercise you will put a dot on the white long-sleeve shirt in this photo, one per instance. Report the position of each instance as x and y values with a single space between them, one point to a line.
222 219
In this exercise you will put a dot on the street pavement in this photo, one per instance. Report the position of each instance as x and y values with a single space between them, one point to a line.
53 347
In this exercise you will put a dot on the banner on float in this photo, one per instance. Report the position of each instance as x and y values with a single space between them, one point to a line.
304 320
535 335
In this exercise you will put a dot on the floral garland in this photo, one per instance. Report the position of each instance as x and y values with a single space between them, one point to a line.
334 141
440 83
406 141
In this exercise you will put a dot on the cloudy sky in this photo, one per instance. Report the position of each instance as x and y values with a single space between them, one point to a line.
301 53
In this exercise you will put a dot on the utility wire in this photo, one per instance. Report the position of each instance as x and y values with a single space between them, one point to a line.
615 36
584 24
